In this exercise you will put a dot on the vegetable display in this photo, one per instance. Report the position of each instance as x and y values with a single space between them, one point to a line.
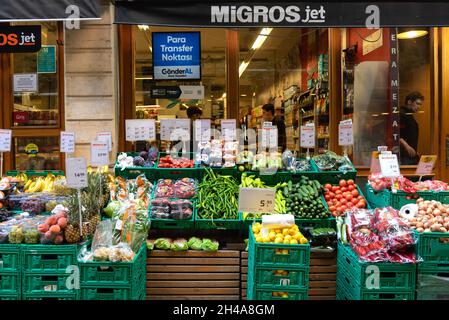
170 162
171 209
331 161
433 216
217 197
182 244
290 235
342 197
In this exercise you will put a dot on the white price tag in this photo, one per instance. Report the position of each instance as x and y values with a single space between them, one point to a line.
140 130
76 173
229 129
119 225
345 133
175 129
255 200
99 153
269 137
107 137
202 130
5 140
426 165
67 142
389 165
307 136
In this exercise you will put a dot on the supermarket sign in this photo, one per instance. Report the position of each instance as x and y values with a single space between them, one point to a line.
176 55
20 39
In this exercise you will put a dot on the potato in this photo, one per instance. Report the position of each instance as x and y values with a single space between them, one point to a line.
427 225
437 212
435 227
419 224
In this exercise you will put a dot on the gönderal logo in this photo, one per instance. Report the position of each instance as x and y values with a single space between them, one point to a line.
176 55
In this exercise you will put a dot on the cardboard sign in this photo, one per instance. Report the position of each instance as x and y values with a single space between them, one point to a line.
307 137
175 129
5 140
140 130
105 136
228 129
202 130
426 165
67 142
256 200
76 173
345 133
99 153
389 165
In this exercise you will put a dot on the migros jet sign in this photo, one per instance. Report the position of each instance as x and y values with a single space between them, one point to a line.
20 39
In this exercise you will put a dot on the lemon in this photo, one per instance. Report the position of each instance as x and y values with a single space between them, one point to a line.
293 232
255 229
286 241
278 231
293 241
297 237
279 235
303 240
285 231
287 237
276 294
284 295
266 239
285 251
259 239
278 240
285 273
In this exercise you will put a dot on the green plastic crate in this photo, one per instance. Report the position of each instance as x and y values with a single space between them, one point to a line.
113 274
50 296
264 254
431 248
443 197
10 283
298 278
333 177
393 276
46 283
177 173
267 294
217 224
350 293
110 293
432 278
34 173
10 257
233 172
10 296
53 258
133 172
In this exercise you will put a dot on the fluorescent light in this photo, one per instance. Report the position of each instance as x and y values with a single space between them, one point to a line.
143 27
243 95
385 113
144 78
412 34
151 48
224 95
254 94
243 67
261 38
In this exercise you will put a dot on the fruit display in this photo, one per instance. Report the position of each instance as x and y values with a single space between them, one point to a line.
171 162
144 159
331 161
343 196
34 203
171 209
379 183
244 160
182 244
433 216
42 184
52 230
290 235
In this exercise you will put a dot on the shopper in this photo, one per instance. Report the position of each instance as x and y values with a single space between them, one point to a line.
268 112
409 129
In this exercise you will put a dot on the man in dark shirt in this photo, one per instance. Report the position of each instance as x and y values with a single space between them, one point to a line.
268 115
409 129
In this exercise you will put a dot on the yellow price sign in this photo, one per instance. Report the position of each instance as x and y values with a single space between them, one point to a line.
426 165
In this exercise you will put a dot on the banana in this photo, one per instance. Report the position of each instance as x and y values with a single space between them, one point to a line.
30 186
27 185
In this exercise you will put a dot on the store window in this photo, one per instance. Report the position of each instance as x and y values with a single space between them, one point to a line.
37 153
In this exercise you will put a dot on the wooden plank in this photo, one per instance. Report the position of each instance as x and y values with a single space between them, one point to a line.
193 291
322 276
322 284
322 292
244 277
244 270
244 263
323 255
192 276
235 246
188 261
195 297
322 262
322 297
193 268
194 253
323 269
244 285
193 284
244 255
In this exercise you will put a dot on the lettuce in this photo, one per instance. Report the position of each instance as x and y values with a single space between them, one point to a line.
163 243
209 245
179 245
150 244
195 243
112 208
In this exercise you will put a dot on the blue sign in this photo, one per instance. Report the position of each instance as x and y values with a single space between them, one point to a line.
176 55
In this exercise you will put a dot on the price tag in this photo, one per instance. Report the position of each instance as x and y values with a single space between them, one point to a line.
76 174
307 136
426 165
269 137
382 148
99 153
140 130
5 140
107 137
119 225
202 130
389 165
255 200
345 134
375 164
67 142
228 129
175 129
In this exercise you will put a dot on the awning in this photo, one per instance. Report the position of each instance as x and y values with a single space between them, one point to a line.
48 10
281 14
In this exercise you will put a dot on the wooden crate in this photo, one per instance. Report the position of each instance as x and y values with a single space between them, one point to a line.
322 276
193 275
243 274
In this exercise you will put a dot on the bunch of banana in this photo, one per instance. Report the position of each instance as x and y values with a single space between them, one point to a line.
22 177
40 184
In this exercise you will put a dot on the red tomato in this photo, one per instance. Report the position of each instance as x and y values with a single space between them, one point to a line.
338 192
344 208
343 183
332 195
349 205
363 202
360 197
351 187
354 201
344 189
343 201
328 186
335 188
332 208
327 197
339 209
339 197
350 181
355 193
334 214
348 197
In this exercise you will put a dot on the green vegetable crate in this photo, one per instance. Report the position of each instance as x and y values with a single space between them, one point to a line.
216 224
177 173
49 296
10 297
48 259
133 172
105 280
311 174
10 284
43 283
433 281
433 247
10 258
443 197
396 281
386 198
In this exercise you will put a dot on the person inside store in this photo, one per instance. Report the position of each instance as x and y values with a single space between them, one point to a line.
409 129
194 113
268 112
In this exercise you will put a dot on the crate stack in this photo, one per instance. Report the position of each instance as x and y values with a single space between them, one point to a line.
10 272
49 272
106 280
433 272
277 271
358 281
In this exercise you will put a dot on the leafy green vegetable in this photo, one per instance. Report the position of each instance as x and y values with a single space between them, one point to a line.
150 244
209 245
112 209
195 243
163 243
179 245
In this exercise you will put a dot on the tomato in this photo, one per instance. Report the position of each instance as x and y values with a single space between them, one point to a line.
332 195
334 214
350 181
327 197
344 189
363 202
339 209
360 197
338 192
343 201
328 186
351 187
339 197
355 193
332 208
343 208
348 198
343 183
354 201
349 205
335 188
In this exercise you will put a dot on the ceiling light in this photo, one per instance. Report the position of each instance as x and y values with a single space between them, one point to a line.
224 95
254 94
151 48
143 27
243 67
412 34
243 95
261 38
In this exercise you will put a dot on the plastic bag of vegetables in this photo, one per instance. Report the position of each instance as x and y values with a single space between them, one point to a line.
163 243
195 243
179 245
209 245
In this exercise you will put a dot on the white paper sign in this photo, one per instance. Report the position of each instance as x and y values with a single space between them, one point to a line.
269 137
192 92
107 137
389 165
5 140
229 129
67 142
99 153
175 129
140 130
25 82
256 200
307 137
202 130
76 173
426 165
345 134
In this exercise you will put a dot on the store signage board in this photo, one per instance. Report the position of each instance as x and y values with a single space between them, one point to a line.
25 82
372 42
229 129
107 137
389 165
5 140
99 153
345 133
67 142
202 130
176 55
426 165
21 117
46 60
307 136
140 130
76 173
256 200
177 92
15 39
175 129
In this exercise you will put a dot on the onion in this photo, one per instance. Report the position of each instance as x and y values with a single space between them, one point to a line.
420 230
443 229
